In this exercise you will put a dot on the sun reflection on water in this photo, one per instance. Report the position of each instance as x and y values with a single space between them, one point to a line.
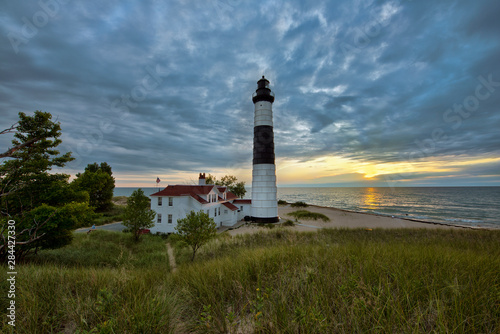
371 199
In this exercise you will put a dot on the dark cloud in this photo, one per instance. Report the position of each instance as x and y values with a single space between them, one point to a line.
156 87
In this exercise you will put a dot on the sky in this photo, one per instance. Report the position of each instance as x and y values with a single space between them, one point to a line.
368 93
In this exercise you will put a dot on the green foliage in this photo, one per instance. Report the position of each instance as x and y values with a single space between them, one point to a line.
348 281
107 249
41 202
25 179
137 214
280 281
112 214
299 205
103 282
56 223
98 181
196 229
304 214
288 222
229 181
282 202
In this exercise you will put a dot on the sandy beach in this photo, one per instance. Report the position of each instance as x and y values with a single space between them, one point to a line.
340 219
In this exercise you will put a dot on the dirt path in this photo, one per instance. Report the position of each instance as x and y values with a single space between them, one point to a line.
171 257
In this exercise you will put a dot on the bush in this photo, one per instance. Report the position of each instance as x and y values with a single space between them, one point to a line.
282 202
299 205
288 222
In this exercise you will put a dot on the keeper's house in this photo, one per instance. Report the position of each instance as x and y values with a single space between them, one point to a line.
176 201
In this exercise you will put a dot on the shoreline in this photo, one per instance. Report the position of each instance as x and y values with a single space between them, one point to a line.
404 218
341 218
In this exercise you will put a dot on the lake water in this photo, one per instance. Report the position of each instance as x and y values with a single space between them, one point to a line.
466 206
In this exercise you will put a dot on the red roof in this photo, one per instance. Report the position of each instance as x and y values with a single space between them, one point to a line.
230 206
186 190
199 199
194 191
183 190
242 201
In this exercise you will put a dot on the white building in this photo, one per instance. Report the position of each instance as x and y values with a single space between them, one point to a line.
176 201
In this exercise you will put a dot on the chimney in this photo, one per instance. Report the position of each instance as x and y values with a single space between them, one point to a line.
201 180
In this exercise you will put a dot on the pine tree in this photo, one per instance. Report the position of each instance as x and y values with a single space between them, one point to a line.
31 193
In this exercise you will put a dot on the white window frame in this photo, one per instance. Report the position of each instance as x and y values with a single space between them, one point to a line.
170 219
170 201
160 201
158 218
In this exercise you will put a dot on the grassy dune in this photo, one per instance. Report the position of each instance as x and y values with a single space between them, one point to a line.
333 281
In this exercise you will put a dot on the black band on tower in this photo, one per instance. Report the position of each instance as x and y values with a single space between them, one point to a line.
263 145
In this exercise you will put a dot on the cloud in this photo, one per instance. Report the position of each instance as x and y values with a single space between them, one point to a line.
367 80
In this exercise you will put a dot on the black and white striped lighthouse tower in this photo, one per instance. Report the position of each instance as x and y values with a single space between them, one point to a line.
264 201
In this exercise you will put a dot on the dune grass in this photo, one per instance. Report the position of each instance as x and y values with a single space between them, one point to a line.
305 214
278 281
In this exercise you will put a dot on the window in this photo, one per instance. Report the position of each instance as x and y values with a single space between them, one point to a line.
159 201
241 207
208 212
219 211
170 201
225 212
215 212
170 219
158 220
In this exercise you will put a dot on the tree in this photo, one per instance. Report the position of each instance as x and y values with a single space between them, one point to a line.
196 229
137 214
229 181
98 181
41 202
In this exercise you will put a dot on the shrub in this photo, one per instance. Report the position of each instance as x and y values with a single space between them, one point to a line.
282 202
299 205
288 222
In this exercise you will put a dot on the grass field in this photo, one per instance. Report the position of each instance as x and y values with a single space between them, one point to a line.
332 281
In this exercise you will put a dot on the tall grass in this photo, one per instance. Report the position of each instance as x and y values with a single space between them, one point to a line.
102 283
333 281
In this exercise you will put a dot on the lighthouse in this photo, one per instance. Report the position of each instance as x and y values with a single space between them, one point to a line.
264 201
